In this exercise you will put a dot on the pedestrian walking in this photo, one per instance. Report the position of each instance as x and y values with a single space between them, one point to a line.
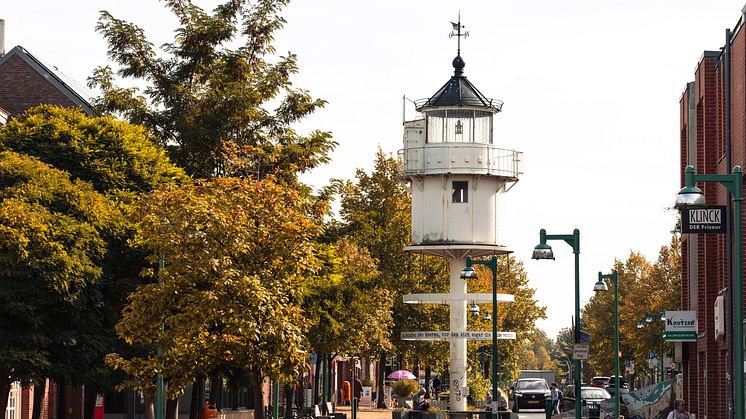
679 410
555 398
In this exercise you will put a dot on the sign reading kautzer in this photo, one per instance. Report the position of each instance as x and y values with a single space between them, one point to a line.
704 219
681 326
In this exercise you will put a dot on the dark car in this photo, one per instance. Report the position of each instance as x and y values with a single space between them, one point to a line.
529 393
590 397
622 382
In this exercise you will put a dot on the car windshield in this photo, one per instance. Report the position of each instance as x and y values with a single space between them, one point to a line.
595 393
532 385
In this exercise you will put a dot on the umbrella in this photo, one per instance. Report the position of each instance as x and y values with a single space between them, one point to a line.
396 375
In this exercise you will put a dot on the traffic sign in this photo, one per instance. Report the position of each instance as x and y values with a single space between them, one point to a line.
580 351
651 355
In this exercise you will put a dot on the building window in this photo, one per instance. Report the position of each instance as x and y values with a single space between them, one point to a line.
460 191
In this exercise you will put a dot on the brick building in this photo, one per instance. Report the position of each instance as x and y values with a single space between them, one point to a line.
713 140
26 81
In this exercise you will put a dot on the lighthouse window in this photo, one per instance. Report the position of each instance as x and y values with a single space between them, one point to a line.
460 191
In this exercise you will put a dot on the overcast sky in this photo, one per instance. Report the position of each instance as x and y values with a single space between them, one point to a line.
591 91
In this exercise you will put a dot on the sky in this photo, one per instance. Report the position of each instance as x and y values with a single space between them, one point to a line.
591 91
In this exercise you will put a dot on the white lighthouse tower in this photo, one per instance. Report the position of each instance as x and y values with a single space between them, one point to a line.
456 174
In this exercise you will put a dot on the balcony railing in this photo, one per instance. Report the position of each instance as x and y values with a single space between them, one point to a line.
461 158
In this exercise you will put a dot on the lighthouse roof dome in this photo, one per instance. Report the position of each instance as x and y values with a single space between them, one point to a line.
458 91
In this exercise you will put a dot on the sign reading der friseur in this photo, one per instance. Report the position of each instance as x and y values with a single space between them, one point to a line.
704 219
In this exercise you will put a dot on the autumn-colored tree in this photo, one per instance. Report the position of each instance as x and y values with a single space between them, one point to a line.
519 316
209 94
237 252
52 245
208 102
643 288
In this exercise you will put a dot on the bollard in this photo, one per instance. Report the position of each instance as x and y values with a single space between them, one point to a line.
548 407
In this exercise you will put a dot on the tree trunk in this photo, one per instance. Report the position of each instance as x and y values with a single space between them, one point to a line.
61 401
195 404
89 401
427 381
172 409
380 402
39 394
317 380
149 406
5 383
258 390
216 391
289 395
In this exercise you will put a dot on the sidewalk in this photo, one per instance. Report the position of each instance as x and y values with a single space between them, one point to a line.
365 412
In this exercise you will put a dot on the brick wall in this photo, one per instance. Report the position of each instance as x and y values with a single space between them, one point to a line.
705 362
22 87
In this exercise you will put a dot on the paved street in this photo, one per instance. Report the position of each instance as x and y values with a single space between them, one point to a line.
365 413
532 414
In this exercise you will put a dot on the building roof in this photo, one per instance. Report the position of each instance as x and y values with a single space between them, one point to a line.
459 91
73 90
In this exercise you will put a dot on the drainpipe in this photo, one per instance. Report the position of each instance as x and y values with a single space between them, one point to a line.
729 237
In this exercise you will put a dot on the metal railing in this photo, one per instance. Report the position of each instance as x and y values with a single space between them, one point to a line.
460 158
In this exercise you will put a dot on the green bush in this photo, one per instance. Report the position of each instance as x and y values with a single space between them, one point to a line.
405 388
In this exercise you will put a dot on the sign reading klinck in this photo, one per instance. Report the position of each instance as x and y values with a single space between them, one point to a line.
704 219
681 326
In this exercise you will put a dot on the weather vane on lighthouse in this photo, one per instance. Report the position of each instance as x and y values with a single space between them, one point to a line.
457 27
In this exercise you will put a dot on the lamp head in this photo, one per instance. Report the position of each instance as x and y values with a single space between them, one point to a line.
543 251
600 285
649 318
487 317
468 273
474 309
640 324
689 195
663 317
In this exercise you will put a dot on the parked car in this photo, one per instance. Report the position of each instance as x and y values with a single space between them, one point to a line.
590 397
622 382
529 393
602 382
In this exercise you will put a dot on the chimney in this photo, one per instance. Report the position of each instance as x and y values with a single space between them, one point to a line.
2 37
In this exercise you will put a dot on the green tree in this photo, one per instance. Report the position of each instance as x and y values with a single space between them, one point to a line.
118 161
52 245
348 313
375 212
238 253
207 102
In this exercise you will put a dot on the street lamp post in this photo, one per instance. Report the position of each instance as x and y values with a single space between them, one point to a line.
544 251
601 286
159 413
691 195
468 273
